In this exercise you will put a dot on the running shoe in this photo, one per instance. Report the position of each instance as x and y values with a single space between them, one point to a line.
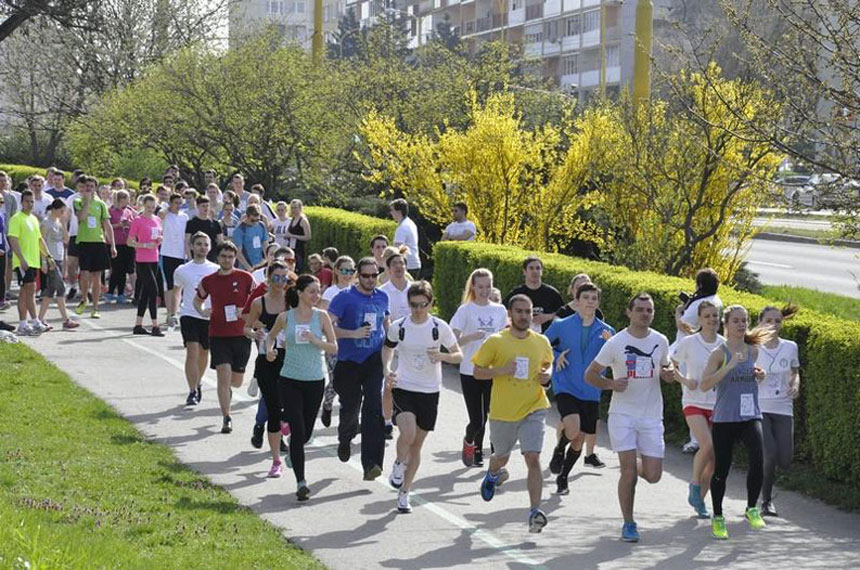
754 518
95 314
768 509
397 472
629 532
561 482
276 470
25 330
594 461
537 520
344 450
557 460
372 473
325 417
503 476
303 491
156 331
109 298
4 326
71 295
39 328
468 453
257 436
284 449
488 486
120 300
479 458
70 324
690 447
4 305
253 387
200 392
138 329
173 321
82 306
191 400
227 425
403 505
389 431
285 429
694 499
718 528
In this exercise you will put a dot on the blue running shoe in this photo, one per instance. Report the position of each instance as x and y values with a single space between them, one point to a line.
488 486
629 532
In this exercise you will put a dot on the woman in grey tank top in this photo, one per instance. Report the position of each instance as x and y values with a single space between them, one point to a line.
732 369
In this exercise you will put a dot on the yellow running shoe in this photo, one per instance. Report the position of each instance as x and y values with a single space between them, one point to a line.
82 306
754 518
718 528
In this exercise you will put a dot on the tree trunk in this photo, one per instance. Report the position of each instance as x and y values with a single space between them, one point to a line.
11 23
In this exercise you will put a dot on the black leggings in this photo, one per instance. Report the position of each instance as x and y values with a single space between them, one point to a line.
778 438
267 375
477 396
301 400
725 435
120 267
147 277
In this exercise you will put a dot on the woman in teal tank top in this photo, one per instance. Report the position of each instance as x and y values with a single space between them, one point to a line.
309 334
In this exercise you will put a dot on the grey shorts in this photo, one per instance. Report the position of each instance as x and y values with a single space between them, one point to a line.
529 431
52 282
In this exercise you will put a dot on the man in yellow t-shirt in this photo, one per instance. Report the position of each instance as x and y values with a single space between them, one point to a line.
27 244
519 362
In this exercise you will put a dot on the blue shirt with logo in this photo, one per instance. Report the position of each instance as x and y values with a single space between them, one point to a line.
353 309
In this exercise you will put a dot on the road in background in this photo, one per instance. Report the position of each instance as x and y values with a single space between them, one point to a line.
819 267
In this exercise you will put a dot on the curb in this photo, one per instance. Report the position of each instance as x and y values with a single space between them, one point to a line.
808 240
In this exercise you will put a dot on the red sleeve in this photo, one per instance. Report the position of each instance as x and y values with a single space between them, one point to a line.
255 294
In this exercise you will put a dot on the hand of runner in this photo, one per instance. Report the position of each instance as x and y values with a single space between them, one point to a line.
760 374
544 377
113 252
260 334
793 390
509 369
309 336
271 355
667 374
363 332
434 355
390 379
619 384
561 361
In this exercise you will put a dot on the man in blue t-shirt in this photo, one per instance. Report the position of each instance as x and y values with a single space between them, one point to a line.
251 237
576 340
360 317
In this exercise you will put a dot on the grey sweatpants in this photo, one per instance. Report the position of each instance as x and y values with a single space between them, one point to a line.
778 432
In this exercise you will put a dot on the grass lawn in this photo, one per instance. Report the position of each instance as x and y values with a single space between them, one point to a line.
821 235
81 489
830 303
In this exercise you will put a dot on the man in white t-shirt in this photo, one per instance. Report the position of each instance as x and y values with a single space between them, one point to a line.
639 358
406 234
416 382
193 325
41 199
460 229
173 222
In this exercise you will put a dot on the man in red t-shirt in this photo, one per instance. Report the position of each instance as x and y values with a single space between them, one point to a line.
229 289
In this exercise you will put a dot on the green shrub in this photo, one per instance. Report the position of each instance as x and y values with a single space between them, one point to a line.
20 172
826 413
350 233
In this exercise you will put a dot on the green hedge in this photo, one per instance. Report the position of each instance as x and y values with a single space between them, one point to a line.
20 172
350 233
827 414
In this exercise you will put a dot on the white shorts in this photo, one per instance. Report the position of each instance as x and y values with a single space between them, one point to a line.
644 435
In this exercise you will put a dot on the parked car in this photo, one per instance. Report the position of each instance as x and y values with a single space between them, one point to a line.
794 189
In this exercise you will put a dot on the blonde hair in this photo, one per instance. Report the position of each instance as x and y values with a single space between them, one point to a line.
579 276
469 289
757 336
298 203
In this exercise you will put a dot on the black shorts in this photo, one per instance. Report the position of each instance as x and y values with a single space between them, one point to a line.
424 406
28 276
233 350
93 256
194 330
170 264
587 411
74 248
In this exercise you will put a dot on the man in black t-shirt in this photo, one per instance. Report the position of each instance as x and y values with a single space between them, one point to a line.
201 223
546 299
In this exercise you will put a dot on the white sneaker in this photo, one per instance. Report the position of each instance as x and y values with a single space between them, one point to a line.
25 330
396 477
253 388
503 476
403 505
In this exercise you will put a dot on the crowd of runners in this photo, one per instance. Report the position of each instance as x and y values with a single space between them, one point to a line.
235 275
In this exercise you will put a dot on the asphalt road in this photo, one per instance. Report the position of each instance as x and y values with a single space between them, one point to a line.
350 524
819 267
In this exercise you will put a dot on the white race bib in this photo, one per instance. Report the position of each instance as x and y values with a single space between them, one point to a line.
92 223
256 242
231 313
370 318
747 406
153 233
300 330
419 361
644 368
522 371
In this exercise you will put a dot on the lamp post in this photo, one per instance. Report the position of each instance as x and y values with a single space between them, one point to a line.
642 51
317 39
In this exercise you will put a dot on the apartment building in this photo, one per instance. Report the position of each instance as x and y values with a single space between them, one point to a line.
294 19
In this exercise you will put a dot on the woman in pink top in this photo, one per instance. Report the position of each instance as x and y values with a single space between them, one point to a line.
121 216
145 237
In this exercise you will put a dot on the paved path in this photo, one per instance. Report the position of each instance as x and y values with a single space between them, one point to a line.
821 267
351 524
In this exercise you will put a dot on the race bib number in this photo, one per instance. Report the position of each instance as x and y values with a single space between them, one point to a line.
522 371
644 367
231 313
256 242
92 223
419 361
370 318
153 233
300 332
747 405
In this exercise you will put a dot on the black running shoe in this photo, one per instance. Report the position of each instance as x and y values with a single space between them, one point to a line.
594 461
325 417
389 431
479 458
139 330
191 400
200 392
768 509
227 425
156 331
372 473
561 482
71 294
344 450
557 460
257 436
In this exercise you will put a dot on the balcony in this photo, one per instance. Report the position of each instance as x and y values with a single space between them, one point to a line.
468 28
569 43
534 12
591 38
552 47
569 80
551 8
516 17
613 74
590 3
589 78
534 49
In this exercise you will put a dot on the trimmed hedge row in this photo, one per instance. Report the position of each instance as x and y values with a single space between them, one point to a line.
20 172
827 413
350 233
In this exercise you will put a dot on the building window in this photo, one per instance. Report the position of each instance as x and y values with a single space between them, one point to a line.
550 30
591 21
300 7
534 38
275 7
570 65
613 56
573 26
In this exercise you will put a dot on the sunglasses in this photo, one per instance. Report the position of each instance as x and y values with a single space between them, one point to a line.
346 271
280 278
423 305
367 275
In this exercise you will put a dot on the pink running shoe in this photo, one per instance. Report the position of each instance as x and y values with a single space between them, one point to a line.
276 470
285 429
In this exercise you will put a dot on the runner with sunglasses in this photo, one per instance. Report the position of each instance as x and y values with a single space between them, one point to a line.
344 275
